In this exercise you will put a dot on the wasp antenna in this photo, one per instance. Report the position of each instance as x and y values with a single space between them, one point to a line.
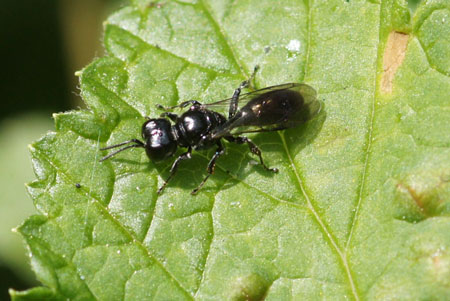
119 150
138 143
123 143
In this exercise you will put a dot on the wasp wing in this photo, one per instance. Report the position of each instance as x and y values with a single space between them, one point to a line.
244 98
271 109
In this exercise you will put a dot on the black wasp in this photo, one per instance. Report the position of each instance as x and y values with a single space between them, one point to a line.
200 127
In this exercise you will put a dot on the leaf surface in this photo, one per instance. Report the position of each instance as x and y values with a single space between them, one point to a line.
359 210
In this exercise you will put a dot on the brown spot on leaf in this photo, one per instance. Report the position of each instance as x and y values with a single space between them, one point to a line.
422 195
418 200
436 257
393 58
156 4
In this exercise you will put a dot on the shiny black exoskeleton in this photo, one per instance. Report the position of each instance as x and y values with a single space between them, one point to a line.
200 127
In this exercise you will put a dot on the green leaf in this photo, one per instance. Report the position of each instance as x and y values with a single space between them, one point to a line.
359 210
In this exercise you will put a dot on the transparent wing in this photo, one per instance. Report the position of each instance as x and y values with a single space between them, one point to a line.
308 93
310 107
246 97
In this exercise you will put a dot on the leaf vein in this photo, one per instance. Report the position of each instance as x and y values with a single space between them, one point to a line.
328 235
432 67
66 260
311 206
223 37
107 214
355 217
159 48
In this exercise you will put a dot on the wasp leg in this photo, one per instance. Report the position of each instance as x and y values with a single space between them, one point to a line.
211 166
172 116
253 148
181 105
235 98
173 169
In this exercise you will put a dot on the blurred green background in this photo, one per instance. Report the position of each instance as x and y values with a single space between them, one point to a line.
43 43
